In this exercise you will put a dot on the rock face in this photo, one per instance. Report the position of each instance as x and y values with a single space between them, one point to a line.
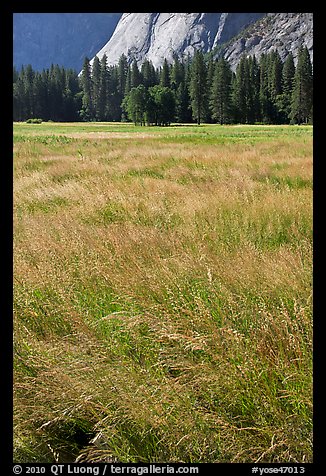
155 36
282 31
60 38
66 38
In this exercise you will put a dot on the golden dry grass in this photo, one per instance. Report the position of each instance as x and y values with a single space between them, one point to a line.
163 294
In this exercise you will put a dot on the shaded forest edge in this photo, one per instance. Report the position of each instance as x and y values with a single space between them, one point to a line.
198 89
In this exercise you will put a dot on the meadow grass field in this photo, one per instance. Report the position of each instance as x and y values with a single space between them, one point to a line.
162 293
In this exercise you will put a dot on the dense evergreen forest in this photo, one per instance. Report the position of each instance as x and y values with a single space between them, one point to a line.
198 89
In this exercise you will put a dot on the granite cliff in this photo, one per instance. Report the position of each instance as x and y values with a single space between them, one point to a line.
155 36
66 38
284 32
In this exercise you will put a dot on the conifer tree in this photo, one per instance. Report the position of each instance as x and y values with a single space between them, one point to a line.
135 75
274 74
253 102
182 104
19 99
128 81
114 102
240 91
148 74
104 90
165 75
221 92
40 97
70 94
284 99
264 97
210 68
86 85
301 104
122 74
96 89
274 84
28 78
56 89
198 87
177 74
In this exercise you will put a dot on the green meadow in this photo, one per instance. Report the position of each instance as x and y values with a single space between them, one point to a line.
162 293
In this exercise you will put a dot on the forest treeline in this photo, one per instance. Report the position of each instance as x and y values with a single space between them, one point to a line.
197 89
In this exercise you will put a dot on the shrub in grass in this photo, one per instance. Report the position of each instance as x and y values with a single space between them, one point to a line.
34 120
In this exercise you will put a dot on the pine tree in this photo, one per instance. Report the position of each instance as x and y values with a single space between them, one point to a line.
122 74
264 96
128 81
301 104
177 74
198 87
284 99
96 89
275 74
241 90
233 106
19 98
254 76
28 79
71 91
210 68
56 89
274 84
182 106
40 97
211 65
86 86
103 90
165 75
221 92
135 75
114 101
148 74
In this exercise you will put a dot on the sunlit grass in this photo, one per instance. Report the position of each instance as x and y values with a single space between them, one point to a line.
163 293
